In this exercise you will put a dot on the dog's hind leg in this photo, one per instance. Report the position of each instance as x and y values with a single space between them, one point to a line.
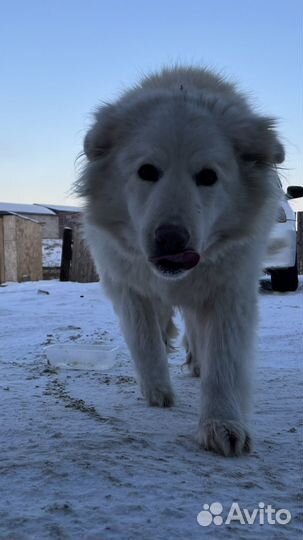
141 328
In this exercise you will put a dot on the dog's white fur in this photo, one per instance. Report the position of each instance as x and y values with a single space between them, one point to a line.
183 120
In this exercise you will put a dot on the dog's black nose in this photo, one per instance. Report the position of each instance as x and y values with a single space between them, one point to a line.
171 239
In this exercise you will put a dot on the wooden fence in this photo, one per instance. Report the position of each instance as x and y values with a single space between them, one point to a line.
76 261
83 269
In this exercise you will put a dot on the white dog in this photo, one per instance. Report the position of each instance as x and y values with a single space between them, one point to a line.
181 193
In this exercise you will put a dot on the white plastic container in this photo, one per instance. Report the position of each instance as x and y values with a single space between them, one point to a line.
79 356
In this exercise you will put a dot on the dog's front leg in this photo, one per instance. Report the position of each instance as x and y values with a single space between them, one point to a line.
142 333
225 350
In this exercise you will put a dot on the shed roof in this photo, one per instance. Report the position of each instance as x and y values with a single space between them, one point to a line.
57 208
25 209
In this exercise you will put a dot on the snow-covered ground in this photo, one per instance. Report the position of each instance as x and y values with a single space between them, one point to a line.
51 252
83 458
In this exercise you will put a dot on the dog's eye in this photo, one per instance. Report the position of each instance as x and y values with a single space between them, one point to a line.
258 159
149 172
206 177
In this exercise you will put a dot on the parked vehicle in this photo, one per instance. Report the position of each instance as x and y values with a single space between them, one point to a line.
281 257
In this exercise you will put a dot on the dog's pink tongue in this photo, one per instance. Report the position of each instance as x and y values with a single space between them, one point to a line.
186 259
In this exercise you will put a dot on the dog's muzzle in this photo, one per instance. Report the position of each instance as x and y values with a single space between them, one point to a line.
172 253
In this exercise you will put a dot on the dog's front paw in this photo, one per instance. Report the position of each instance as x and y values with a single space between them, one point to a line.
226 437
159 396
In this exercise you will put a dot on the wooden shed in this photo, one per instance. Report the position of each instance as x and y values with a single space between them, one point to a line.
20 248
47 218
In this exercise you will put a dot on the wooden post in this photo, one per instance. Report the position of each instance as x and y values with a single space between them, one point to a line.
300 242
66 254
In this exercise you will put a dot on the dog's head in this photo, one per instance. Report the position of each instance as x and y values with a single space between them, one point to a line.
176 174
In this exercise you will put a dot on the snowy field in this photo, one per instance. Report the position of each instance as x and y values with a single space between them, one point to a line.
83 458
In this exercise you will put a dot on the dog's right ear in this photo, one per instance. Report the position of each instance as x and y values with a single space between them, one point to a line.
100 138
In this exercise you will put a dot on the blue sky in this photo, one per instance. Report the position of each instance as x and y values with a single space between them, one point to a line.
60 58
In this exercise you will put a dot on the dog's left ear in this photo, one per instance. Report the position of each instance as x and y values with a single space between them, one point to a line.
100 138
256 141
